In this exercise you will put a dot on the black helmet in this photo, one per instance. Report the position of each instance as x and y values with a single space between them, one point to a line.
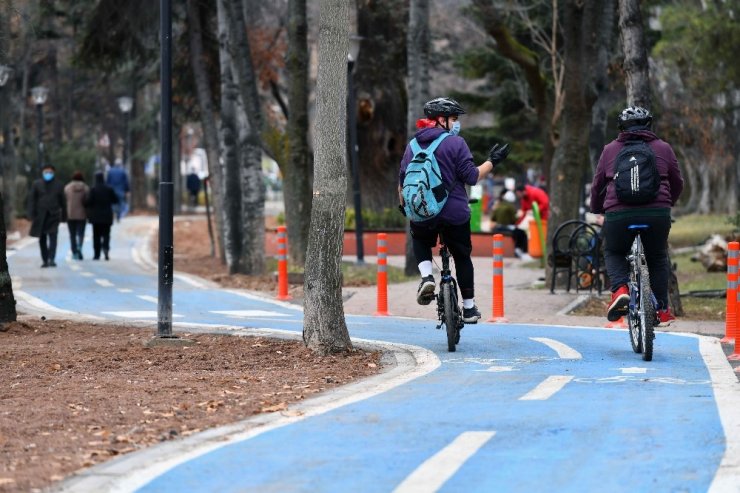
442 107
634 116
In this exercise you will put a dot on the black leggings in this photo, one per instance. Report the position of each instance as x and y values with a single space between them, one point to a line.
457 239
618 240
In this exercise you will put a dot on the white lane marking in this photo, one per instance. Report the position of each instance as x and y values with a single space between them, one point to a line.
146 297
265 299
104 282
250 313
17 282
498 369
547 388
564 351
435 471
125 290
9 253
633 369
190 280
40 305
87 274
75 267
138 314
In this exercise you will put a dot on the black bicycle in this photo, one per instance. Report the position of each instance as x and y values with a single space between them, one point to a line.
448 305
642 308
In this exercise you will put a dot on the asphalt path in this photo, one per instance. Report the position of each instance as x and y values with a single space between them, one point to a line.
517 408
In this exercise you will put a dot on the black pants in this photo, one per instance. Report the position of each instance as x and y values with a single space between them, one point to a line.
76 233
101 238
618 240
48 245
521 241
457 239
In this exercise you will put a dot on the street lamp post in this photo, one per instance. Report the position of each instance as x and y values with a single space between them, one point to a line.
39 94
125 103
353 150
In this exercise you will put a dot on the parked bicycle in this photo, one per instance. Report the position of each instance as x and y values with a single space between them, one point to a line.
641 314
448 305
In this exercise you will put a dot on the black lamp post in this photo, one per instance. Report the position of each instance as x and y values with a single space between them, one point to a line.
354 49
125 103
39 94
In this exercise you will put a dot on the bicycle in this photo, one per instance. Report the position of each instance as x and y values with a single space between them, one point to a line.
448 306
641 313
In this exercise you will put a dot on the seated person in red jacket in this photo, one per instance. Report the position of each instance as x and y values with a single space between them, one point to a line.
527 195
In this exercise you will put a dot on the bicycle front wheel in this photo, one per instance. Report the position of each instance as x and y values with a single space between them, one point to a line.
449 299
647 314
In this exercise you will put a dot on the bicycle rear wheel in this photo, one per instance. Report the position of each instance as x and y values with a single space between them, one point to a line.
647 314
633 318
449 299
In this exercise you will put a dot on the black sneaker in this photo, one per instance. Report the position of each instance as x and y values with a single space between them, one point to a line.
471 315
425 293
52 263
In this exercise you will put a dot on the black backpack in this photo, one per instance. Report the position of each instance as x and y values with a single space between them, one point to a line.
636 176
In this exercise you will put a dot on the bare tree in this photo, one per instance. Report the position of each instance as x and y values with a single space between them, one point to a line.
635 53
417 84
324 327
297 170
7 148
7 300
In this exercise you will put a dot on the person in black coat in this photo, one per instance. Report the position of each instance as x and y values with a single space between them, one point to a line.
47 207
100 202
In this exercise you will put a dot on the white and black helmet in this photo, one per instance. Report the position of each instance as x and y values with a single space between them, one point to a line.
633 116
442 107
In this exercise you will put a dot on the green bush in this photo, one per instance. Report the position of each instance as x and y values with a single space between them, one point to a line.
387 219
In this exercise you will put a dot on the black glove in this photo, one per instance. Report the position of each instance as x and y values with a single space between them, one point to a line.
498 153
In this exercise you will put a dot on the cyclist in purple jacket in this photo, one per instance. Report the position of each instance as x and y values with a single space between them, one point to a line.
458 169
635 122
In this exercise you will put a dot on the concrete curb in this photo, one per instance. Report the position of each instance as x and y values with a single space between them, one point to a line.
401 364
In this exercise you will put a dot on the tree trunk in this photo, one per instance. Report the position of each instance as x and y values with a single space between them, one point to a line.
7 150
584 33
7 300
324 327
635 53
298 170
207 118
381 102
229 150
417 82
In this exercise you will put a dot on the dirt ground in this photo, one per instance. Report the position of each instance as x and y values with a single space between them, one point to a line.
75 394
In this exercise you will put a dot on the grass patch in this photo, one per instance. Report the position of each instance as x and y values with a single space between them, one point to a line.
694 229
693 276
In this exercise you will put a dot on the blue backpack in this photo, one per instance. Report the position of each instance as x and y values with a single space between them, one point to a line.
423 191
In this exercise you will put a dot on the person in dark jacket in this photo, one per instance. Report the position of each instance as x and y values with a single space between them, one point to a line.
192 183
47 207
458 169
635 123
100 203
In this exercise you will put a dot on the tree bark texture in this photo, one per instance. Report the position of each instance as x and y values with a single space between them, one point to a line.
7 300
417 83
324 327
229 146
381 102
584 33
8 163
298 170
207 117
636 65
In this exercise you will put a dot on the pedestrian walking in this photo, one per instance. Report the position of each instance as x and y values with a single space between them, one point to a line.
118 180
100 202
193 185
76 193
47 208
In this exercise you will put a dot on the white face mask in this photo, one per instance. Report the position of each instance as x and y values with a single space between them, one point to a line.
455 128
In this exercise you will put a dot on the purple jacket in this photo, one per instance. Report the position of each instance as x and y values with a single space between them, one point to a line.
603 195
457 166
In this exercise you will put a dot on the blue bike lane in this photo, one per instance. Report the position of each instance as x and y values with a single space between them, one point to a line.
516 408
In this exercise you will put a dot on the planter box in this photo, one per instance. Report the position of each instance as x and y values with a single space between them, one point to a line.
396 241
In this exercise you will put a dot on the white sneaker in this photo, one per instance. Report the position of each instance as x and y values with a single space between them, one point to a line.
525 257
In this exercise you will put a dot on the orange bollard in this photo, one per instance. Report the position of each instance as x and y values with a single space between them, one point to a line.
735 356
731 300
498 280
382 276
282 257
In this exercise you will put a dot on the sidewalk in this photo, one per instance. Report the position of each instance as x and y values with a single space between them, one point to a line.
524 302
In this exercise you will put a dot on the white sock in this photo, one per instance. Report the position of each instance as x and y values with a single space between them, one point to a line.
425 268
469 303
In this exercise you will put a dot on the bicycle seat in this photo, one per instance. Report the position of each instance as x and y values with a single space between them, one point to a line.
638 227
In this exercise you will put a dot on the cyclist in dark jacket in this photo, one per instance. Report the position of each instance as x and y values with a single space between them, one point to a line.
636 122
458 169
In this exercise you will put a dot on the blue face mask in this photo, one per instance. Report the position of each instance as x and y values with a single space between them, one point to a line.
48 175
455 128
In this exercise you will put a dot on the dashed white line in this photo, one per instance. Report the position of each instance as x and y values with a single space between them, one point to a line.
87 274
75 267
547 388
138 314
634 369
564 351
435 471
125 290
250 313
104 282
146 297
